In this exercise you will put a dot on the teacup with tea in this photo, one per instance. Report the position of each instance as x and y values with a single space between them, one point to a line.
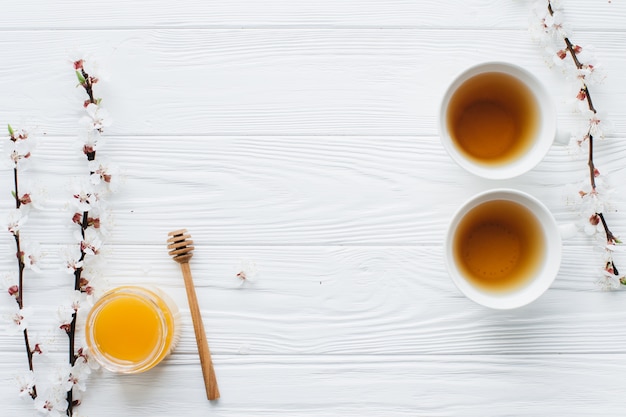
497 120
503 248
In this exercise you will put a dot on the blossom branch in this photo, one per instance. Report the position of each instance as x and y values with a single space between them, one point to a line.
551 24
19 152
87 201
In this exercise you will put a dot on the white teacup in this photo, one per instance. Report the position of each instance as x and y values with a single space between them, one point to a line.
497 120
503 248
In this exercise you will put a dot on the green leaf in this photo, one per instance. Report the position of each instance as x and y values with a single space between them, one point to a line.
13 194
11 131
80 77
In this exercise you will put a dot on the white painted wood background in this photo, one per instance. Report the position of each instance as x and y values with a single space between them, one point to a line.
302 135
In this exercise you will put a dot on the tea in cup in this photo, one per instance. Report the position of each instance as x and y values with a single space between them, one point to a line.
497 120
503 248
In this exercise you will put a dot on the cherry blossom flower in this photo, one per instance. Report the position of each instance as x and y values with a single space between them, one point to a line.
590 74
547 26
31 195
90 240
8 281
247 271
15 219
608 281
102 172
31 255
79 374
65 315
26 384
71 259
598 123
19 319
19 147
85 197
83 355
51 403
97 118
90 141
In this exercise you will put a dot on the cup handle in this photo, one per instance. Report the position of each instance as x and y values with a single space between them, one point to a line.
568 231
562 137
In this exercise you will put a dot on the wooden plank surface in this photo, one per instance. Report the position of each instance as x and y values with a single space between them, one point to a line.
275 82
457 14
302 136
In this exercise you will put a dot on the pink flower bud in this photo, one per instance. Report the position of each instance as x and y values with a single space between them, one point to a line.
577 49
582 95
562 53
77 218
594 219
37 349
88 149
26 199
596 172
14 291
78 65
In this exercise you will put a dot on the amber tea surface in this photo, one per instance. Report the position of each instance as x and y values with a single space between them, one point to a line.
493 118
499 245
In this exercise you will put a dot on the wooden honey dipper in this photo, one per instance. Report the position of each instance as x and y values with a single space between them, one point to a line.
181 249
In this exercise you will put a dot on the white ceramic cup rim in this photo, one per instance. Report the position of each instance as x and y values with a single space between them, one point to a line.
546 129
542 279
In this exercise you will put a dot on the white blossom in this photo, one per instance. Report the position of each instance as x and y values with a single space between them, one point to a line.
79 374
247 271
52 402
15 219
97 118
31 195
85 357
90 240
90 140
85 196
31 255
19 319
103 173
18 148
65 314
25 384
607 281
71 259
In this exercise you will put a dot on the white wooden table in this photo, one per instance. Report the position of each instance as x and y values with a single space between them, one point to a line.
301 135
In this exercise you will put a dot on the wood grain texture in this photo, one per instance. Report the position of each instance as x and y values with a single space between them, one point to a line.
321 300
297 190
275 82
67 14
407 385
302 136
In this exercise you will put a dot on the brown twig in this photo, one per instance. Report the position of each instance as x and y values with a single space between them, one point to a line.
572 49
87 84
20 281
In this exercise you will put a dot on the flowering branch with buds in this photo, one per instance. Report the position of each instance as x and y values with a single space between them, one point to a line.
19 152
87 215
551 31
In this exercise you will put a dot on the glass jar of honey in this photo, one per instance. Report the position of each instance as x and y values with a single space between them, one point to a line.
130 329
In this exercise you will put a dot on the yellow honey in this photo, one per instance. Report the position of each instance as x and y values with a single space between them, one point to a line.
131 329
